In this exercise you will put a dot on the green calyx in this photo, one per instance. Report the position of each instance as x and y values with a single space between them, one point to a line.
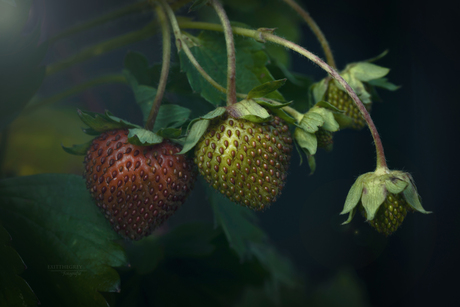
372 189
168 124
308 126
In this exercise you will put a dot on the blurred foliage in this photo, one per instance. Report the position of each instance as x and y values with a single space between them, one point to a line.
42 134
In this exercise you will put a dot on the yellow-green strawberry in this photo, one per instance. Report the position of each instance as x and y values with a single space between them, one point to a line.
390 214
342 101
246 161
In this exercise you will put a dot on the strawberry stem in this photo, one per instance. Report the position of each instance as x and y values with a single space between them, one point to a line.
264 35
166 34
182 45
316 30
231 59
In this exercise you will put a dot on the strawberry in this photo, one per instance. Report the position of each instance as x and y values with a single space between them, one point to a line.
325 139
138 188
343 101
245 161
390 215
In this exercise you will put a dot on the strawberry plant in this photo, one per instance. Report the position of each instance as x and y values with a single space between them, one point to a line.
165 211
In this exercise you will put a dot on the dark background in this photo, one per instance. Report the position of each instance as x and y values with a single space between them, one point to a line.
417 266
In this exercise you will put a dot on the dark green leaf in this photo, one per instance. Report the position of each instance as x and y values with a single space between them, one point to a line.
266 88
138 67
99 123
238 224
188 240
79 150
143 94
14 291
63 237
210 51
171 116
142 137
197 4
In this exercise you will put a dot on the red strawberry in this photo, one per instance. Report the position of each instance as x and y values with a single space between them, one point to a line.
138 188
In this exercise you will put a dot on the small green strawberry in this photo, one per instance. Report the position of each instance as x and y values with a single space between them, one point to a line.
384 197
137 187
390 215
342 101
245 161
325 139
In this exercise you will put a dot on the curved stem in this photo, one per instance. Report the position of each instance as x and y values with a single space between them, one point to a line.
129 9
264 35
101 48
112 78
316 30
166 33
231 58
182 45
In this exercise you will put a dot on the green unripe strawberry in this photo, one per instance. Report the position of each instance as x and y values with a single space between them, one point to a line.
343 101
325 139
390 215
245 161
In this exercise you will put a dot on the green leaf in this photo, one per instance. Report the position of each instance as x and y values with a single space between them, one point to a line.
249 110
99 123
265 89
79 150
214 113
306 140
194 135
383 83
210 51
142 137
238 224
137 65
311 122
365 71
171 116
269 14
354 195
374 194
311 163
169 133
14 291
197 4
330 124
187 240
63 237
143 94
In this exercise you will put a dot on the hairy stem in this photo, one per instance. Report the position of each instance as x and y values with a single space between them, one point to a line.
182 45
101 48
266 36
112 78
231 58
166 33
316 30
